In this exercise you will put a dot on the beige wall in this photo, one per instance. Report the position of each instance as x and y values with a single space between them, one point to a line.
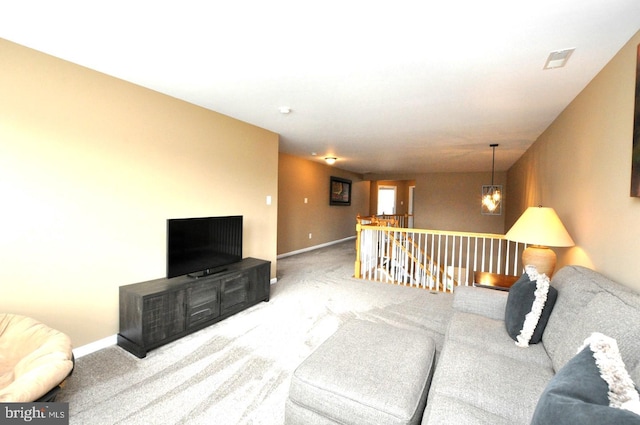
299 178
91 167
581 166
451 201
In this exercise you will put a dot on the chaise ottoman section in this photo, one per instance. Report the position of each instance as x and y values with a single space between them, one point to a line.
365 373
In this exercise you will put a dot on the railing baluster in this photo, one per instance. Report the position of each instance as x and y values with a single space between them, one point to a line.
475 253
516 255
485 262
463 270
438 269
434 280
388 254
507 265
468 246
450 252
491 256
499 256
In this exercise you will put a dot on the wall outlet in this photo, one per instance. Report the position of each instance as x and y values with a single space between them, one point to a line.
310 235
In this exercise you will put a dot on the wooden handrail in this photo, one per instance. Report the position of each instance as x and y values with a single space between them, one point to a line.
390 220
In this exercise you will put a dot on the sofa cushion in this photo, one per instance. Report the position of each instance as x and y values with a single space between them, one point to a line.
529 305
589 302
491 335
586 388
605 314
471 378
482 301
443 409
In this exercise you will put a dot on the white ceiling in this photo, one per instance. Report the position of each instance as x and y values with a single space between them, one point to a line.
405 86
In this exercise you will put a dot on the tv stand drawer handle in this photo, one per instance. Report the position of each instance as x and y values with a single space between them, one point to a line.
204 310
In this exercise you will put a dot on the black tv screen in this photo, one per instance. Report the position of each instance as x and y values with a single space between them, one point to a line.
197 245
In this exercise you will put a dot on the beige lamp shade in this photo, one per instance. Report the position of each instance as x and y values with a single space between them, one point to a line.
542 228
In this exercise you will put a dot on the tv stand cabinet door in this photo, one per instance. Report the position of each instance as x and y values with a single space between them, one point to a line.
163 316
234 291
203 303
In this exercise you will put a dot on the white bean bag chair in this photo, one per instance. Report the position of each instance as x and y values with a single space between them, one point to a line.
34 359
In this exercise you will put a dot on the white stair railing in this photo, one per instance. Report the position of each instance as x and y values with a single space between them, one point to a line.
433 259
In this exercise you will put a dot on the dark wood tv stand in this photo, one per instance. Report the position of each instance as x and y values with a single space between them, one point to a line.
159 311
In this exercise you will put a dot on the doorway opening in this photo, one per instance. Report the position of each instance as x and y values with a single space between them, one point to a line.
386 200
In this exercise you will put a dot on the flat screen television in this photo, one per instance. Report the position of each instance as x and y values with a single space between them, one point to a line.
199 246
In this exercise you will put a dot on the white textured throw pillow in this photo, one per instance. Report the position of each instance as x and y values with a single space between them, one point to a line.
533 317
622 392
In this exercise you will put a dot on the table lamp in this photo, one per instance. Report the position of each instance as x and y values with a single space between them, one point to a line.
540 228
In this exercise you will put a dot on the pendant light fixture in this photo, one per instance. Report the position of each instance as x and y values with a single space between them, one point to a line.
492 194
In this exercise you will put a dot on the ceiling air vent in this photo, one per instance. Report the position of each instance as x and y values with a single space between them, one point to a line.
558 59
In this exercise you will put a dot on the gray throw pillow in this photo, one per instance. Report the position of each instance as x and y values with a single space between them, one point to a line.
519 304
578 395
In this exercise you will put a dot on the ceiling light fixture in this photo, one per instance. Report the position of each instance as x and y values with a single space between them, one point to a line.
558 59
330 159
284 110
492 194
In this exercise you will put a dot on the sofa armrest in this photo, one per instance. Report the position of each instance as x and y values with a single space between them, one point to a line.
483 301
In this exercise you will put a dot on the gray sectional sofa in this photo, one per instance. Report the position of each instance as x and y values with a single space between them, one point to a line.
482 377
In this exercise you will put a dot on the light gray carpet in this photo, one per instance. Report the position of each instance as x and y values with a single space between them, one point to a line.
238 371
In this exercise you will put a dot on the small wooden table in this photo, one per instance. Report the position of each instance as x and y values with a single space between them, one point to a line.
500 282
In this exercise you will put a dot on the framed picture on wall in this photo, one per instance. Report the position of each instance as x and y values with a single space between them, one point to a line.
339 191
635 158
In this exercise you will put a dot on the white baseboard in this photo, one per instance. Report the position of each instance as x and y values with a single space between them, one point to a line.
92 347
313 248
